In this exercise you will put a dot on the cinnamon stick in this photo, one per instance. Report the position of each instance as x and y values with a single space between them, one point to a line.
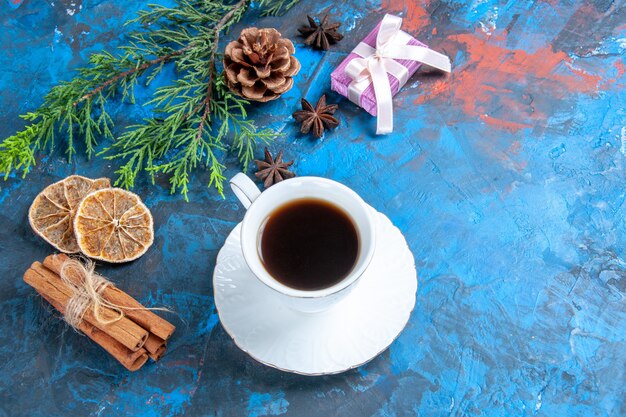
130 360
155 347
125 331
145 318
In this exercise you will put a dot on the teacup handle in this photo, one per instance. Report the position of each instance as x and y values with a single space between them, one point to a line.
245 190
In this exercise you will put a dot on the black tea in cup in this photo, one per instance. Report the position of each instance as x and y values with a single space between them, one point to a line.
309 244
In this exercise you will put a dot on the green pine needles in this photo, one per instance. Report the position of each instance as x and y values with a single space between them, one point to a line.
196 119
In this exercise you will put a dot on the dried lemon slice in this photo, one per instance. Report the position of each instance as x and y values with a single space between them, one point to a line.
52 213
113 225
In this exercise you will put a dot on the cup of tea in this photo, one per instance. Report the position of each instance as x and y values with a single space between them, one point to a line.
308 239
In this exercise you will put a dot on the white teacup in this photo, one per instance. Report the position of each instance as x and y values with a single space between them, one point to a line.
260 205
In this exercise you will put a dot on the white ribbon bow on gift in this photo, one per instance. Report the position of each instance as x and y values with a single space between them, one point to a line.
375 63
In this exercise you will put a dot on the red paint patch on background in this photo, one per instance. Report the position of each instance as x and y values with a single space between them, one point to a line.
509 88
620 70
506 158
515 147
416 17
504 124
435 89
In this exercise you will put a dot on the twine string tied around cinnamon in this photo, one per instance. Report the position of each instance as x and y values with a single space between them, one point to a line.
87 287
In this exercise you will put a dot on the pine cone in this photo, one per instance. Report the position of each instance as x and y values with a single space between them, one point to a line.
260 64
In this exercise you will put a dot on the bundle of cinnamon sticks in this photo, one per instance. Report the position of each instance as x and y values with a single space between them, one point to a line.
140 334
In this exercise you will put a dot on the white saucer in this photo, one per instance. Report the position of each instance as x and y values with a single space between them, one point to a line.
347 335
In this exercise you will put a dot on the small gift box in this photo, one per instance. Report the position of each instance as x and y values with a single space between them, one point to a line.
379 66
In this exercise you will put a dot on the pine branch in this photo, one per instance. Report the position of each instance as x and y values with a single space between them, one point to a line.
197 118
216 40
71 105
137 69
275 8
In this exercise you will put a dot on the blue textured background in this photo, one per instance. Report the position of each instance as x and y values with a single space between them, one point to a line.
507 179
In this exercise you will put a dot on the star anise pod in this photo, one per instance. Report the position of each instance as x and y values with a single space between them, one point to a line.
320 35
273 170
318 118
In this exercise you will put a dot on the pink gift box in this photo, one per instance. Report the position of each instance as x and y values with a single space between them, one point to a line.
340 80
